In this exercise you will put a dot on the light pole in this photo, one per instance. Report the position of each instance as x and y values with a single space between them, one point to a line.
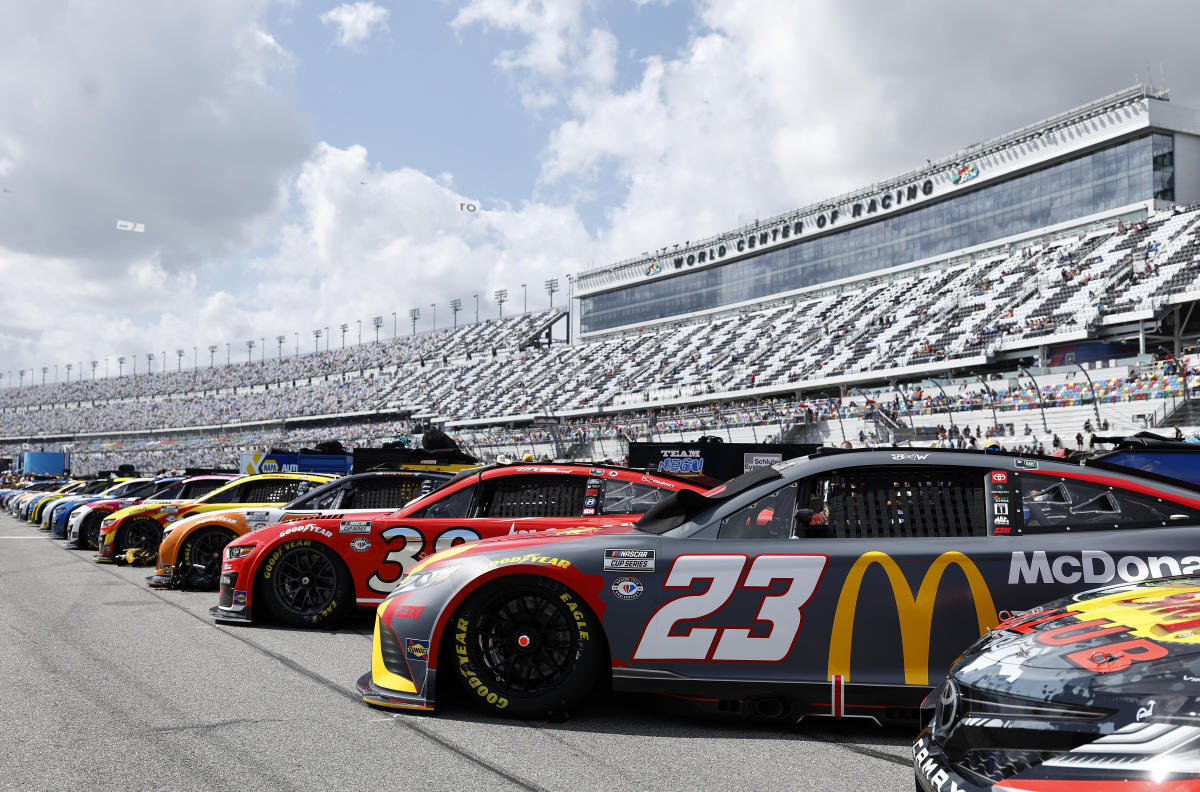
297 333
227 353
279 339
55 373
328 336
70 366
212 351
316 340
393 325
414 314
120 366
455 307
262 348
434 307
44 370
249 349
343 327
195 358
359 331
179 360
163 358
501 298
377 322
22 373
551 287
524 299
476 309
94 364
149 362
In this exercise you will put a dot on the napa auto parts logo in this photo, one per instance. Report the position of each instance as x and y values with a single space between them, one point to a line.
964 173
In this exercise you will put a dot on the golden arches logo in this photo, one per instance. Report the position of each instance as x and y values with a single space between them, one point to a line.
916 613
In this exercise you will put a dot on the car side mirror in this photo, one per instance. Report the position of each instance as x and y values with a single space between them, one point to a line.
804 516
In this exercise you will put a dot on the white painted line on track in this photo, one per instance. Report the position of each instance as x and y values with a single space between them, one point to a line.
22 537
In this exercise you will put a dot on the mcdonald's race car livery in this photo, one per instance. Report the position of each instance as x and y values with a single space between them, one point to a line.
83 524
841 583
310 572
190 553
1096 691
142 526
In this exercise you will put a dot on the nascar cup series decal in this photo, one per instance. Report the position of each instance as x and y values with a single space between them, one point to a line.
626 560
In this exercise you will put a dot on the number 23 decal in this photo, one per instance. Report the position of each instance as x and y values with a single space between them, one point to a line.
781 610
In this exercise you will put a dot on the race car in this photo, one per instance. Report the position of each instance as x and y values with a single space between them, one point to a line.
54 519
142 526
310 572
92 490
190 553
1096 691
30 507
839 584
83 524
9 495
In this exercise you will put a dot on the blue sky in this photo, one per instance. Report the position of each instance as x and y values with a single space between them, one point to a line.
299 163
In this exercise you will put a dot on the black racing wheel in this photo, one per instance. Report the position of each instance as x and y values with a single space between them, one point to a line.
89 531
305 583
533 648
202 550
144 533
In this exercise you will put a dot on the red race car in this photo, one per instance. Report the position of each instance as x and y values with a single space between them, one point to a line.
307 572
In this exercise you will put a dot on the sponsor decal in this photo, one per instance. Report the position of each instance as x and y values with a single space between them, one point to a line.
627 588
909 457
677 465
539 470
1171 614
934 773
226 567
756 461
589 502
657 481
1026 464
532 558
591 493
916 612
589 512
595 482
354 527
1095 566
628 560
239 597
416 649
595 472
170 509
613 473
964 173
360 544
307 528
1000 477
409 611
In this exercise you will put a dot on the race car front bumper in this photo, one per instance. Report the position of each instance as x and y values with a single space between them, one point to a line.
226 616
382 686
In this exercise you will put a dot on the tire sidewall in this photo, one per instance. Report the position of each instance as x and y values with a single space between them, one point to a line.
480 685
267 580
187 550
121 545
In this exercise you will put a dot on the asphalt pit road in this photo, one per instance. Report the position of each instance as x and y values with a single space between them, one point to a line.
130 603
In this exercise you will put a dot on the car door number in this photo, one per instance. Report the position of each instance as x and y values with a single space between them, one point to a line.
735 643
406 546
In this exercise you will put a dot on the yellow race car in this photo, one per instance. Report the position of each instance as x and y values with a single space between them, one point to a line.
142 526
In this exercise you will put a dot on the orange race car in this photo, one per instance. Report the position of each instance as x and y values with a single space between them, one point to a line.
190 553
142 526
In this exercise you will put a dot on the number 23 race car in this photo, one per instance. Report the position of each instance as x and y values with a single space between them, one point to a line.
836 584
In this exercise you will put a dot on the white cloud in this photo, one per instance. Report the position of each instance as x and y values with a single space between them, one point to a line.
356 22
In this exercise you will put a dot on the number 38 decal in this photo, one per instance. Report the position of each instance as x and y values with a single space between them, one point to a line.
406 546
723 572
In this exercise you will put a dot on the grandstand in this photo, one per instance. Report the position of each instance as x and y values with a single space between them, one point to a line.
1002 285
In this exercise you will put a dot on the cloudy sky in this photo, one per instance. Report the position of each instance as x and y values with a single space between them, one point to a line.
298 164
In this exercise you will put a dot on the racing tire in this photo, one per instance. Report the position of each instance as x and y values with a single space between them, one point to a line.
203 548
526 647
144 534
89 531
304 584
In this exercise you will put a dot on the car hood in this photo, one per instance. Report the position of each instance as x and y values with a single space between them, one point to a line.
1130 640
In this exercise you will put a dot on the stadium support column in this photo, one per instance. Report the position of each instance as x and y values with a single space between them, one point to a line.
1141 339
1041 405
992 401
908 404
1092 388
945 401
